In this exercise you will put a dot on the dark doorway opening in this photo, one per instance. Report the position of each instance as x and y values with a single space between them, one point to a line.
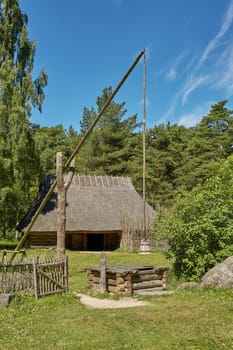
95 242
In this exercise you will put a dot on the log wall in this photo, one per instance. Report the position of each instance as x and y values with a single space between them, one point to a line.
129 279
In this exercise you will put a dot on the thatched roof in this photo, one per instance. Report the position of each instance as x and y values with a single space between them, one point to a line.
94 203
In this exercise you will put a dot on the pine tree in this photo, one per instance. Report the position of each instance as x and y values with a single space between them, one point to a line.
18 95
212 140
49 141
108 150
165 156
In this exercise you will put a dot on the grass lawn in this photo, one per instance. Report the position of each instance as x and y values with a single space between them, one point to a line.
189 319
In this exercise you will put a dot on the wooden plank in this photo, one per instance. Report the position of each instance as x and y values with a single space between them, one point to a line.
35 280
111 282
147 284
151 277
50 278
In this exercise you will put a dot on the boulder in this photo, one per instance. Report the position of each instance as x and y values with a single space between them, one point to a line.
220 276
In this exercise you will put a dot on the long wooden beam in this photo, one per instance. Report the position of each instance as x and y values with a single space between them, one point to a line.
77 148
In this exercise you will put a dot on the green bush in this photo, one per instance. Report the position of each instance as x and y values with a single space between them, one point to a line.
200 226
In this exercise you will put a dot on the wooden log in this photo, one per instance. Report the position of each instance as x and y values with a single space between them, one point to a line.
151 277
121 288
111 282
103 273
90 278
112 289
128 283
111 275
165 280
146 272
155 269
96 280
147 284
96 273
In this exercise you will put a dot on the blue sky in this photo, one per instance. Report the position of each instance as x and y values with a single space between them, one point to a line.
86 45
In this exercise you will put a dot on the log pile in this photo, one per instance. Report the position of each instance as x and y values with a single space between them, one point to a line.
129 278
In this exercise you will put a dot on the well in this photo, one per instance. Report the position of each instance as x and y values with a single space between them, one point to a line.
129 278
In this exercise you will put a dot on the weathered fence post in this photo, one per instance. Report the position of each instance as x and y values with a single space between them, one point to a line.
66 273
62 188
35 279
103 273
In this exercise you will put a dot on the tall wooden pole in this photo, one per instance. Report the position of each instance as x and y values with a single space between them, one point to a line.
144 148
53 186
61 208
62 187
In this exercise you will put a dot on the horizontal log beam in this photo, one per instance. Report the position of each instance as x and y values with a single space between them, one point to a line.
142 278
147 284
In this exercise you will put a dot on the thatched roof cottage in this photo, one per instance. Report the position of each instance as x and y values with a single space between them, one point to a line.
102 213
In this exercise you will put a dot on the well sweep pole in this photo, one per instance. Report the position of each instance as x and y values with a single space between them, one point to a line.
53 186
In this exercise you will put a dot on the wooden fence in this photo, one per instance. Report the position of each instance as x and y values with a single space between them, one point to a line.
34 276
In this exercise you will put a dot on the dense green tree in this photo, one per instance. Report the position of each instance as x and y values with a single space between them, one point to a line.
49 141
212 141
87 118
200 226
108 149
166 145
19 93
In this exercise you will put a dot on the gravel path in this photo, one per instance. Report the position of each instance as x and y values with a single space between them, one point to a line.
96 303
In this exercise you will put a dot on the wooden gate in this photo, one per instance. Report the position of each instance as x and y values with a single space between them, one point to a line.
38 277
50 277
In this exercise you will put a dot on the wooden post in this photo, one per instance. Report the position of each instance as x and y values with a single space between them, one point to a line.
66 273
103 273
62 188
61 207
35 279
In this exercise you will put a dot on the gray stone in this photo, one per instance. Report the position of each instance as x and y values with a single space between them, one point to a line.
220 276
4 299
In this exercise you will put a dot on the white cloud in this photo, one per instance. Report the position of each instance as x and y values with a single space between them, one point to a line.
190 119
141 102
170 110
194 81
225 67
217 74
193 118
172 73
227 21
192 84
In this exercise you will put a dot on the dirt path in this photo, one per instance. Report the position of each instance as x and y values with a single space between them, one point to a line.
96 303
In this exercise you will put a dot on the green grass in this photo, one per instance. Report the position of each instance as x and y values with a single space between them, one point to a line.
189 319
8 244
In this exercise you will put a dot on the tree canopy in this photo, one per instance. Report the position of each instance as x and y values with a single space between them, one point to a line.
19 93
200 226
109 148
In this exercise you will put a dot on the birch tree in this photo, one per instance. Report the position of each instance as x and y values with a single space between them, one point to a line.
19 94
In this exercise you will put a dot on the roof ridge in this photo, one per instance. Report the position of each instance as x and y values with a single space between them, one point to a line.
101 180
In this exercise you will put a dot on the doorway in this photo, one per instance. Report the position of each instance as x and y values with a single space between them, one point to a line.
95 242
